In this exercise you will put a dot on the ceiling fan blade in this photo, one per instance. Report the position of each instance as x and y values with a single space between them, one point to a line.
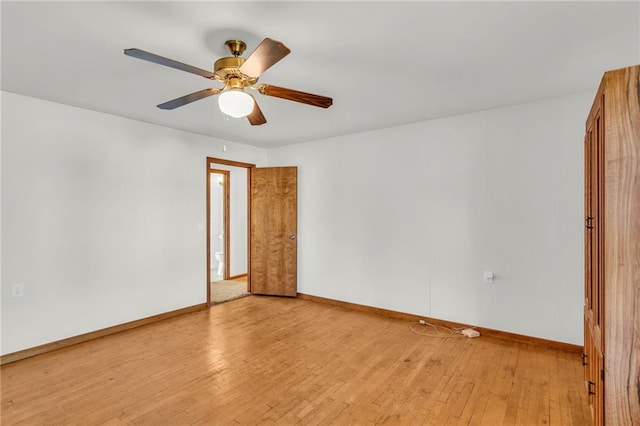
256 118
186 99
296 96
266 54
151 57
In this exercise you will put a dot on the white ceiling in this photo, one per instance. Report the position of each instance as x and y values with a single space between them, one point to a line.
383 63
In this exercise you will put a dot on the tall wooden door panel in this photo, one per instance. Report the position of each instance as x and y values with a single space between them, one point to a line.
594 339
273 231
612 252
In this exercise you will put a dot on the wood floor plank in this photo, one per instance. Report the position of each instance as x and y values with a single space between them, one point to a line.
267 360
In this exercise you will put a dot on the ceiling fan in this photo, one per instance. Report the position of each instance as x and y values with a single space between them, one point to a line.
237 74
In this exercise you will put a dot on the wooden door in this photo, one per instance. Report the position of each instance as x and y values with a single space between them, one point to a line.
594 280
612 268
588 259
273 231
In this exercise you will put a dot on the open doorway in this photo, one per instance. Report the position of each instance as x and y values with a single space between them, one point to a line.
227 230
219 224
266 230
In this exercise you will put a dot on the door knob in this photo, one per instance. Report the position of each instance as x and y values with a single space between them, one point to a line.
292 237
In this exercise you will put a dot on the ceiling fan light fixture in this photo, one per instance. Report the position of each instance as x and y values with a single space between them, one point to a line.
235 103
237 73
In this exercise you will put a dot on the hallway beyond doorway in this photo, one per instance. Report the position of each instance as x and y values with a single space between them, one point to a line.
225 290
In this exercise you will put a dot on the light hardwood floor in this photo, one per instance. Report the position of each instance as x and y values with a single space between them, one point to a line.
264 360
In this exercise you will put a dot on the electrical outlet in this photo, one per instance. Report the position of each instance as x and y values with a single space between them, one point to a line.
17 290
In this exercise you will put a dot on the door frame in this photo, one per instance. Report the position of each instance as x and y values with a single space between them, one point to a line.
221 161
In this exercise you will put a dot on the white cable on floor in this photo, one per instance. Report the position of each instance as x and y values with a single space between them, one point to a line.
450 332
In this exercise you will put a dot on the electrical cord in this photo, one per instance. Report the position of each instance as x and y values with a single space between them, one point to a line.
448 332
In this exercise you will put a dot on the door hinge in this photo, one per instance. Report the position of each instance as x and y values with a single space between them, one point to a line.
589 387
587 222
584 359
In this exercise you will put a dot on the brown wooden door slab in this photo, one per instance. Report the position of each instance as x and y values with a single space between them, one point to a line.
273 231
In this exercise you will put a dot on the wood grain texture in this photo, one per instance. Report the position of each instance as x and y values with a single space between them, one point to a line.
161 60
211 161
265 360
235 277
187 99
612 250
499 334
273 231
295 95
622 246
594 270
256 118
59 344
267 54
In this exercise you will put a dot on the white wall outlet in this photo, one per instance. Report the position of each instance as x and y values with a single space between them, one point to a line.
17 290
488 277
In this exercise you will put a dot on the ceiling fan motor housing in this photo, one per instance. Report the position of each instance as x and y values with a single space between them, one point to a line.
227 67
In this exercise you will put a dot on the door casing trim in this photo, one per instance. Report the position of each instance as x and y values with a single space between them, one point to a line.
211 161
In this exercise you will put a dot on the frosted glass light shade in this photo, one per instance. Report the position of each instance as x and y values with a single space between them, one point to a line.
235 103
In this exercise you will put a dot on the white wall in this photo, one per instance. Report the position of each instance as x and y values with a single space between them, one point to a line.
238 223
103 219
408 218
216 221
